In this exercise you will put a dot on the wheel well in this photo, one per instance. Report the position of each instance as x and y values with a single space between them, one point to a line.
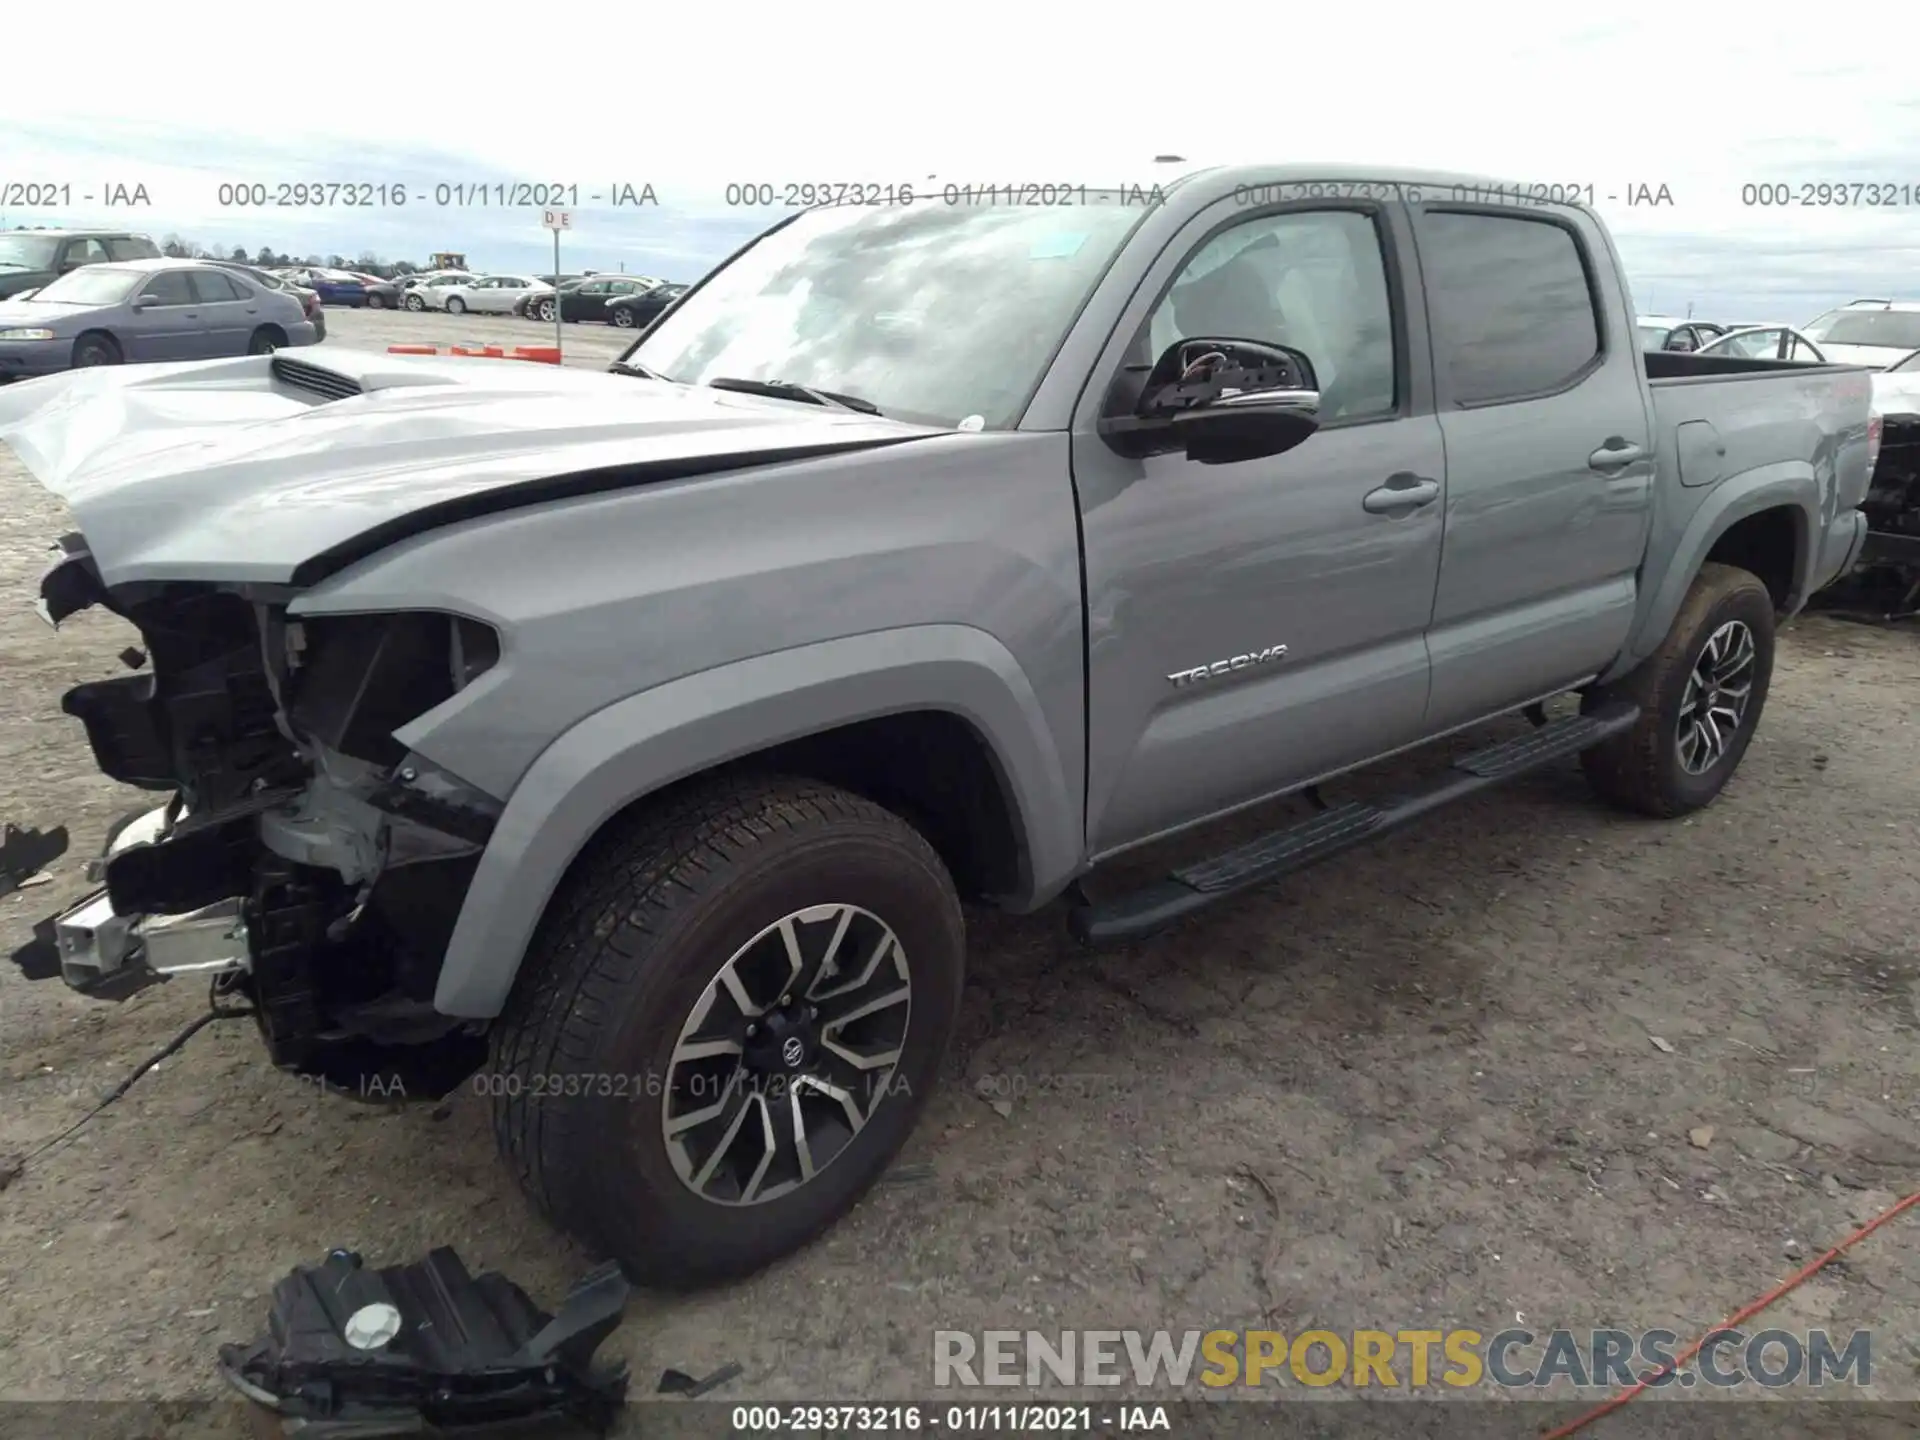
931 768
1767 544
106 335
279 335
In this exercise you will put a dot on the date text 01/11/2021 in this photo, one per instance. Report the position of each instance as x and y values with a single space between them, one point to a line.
983 1419
477 194
807 194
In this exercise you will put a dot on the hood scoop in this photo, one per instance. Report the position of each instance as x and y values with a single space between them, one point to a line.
315 379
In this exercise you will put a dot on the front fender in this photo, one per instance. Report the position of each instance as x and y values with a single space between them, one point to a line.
634 747
1677 555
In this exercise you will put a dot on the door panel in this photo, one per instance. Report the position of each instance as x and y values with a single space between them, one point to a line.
1545 528
170 329
1191 565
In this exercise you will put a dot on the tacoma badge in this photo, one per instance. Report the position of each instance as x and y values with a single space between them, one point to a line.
1224 667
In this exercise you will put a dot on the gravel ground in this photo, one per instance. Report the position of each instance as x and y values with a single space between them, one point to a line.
1419 1087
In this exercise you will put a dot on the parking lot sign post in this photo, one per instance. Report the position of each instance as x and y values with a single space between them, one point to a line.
558 220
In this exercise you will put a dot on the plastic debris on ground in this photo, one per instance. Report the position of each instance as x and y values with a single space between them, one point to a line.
351 1351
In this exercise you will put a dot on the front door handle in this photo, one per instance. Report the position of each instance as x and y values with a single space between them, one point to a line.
1616 454
1401 493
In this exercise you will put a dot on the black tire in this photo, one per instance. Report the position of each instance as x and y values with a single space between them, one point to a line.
414 302
623 317
95 348
375 302
456 306
266 340
643 925
1642 768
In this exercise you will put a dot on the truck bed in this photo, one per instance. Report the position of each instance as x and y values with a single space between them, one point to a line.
1712 422
1673 367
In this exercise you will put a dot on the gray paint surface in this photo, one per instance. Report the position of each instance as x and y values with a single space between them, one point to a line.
656 629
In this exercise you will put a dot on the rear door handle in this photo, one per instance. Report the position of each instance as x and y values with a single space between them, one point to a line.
1401 493
1616 454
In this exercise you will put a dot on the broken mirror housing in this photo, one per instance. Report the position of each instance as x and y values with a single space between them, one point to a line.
427 1347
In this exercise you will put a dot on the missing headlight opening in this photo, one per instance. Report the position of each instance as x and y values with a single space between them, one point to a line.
307 858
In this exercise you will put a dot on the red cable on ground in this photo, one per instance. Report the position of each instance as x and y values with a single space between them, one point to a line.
1673 1365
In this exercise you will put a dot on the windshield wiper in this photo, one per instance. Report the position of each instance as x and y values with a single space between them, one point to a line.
639 372
787 390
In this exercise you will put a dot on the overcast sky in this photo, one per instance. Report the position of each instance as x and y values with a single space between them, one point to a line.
1702 99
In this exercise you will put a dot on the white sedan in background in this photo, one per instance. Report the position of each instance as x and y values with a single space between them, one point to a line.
1766 342
486 295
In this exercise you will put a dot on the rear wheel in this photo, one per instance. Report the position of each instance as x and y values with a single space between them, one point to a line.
727 1025
266 340
623 317
96 349
1700 697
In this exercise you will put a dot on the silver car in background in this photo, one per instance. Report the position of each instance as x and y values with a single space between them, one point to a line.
145 310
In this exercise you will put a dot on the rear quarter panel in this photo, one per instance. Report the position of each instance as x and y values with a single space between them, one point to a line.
1733 445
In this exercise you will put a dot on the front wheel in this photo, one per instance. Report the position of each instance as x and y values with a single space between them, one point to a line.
96 350
546 310
1700 697
376 302
456 306
727 1025
622 317
414 303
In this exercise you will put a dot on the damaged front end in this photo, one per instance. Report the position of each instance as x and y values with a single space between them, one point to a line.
304 859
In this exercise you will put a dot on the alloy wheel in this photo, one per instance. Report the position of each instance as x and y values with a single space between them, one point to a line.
786 1055
1713 706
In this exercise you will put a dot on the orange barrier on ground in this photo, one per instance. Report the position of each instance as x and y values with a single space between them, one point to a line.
541 354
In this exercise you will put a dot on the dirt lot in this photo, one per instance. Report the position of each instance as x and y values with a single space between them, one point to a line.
1418 1088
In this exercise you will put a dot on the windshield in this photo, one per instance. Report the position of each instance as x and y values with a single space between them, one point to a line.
935 314
27 252
92 285
1881 329
1908 366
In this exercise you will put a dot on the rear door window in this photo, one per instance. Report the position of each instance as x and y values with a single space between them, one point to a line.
1514 313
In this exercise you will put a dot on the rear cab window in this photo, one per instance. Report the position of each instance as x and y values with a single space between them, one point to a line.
131 247
1512 303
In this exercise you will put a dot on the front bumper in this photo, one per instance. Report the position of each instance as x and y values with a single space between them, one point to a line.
110 953
22 358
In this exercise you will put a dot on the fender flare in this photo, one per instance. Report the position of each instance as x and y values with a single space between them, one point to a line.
1791 483
635 746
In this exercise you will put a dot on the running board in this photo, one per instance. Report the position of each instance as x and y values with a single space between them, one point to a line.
1329 832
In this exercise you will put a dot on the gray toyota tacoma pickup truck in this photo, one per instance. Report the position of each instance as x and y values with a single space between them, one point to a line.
629 741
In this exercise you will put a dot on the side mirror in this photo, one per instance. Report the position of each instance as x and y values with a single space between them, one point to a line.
143 302
1219 401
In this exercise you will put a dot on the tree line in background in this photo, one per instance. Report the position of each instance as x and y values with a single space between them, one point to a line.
266 257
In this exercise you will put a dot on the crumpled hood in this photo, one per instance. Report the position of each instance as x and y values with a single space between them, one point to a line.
247 470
